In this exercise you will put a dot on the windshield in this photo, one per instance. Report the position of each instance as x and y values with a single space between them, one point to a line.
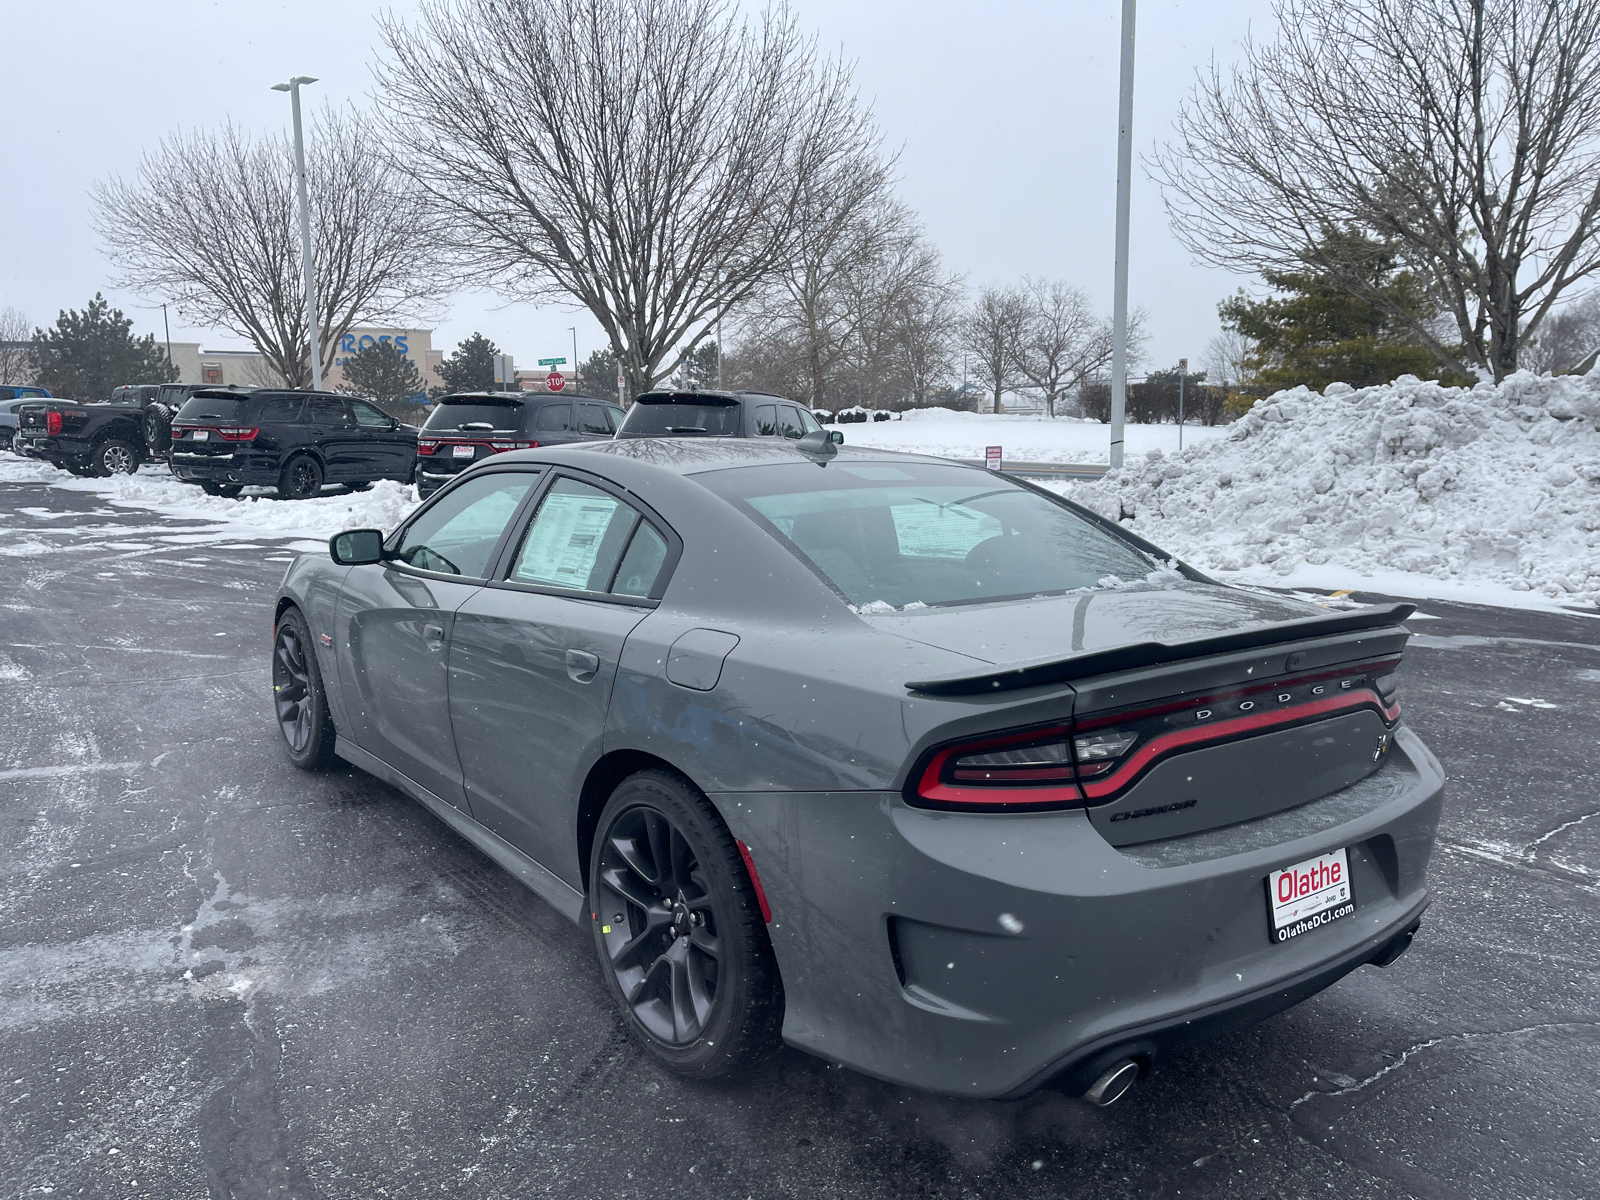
674 418
482 416
211 408
921 534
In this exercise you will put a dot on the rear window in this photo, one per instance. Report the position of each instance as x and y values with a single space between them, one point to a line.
205 407
687 417
483 416
923 534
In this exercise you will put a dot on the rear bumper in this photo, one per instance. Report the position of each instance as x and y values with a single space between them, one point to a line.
48 449
241 467
985 955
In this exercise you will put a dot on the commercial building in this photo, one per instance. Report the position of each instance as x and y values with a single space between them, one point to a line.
198 365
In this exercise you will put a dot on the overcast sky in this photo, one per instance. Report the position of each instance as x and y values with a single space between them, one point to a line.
1004 114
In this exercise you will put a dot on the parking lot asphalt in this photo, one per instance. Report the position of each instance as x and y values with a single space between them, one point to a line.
222 977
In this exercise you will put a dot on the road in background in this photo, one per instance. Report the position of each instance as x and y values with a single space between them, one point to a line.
220 976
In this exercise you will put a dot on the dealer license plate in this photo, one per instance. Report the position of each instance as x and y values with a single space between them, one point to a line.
202 435
463 451
1309 895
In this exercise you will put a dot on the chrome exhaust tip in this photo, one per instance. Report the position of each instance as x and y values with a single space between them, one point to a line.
1113 1085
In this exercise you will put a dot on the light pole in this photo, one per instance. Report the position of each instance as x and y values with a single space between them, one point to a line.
293 88
1183 369
573 330
1119 301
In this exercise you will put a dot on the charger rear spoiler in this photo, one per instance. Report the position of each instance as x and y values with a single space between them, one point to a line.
1150 654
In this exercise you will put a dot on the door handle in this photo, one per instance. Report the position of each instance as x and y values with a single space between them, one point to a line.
433 635
582 666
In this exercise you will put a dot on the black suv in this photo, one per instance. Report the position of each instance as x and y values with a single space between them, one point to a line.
719 414
293 441
463 428
163 405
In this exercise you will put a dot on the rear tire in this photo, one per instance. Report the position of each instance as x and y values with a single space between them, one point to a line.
679 931
226 490
115 457
301 478
298 699
363 486
6 436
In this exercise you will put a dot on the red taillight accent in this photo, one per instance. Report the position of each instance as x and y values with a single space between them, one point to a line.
427 447
755 881
1050 786
52 423
237 433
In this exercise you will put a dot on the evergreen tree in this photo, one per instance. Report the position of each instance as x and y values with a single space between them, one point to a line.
470 368
599 374
1315 333
87 354
700 368
384 373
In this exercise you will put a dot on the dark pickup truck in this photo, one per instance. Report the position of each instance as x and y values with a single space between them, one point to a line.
90 439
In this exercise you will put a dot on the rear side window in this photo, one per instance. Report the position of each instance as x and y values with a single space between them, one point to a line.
458 533
766 420
587 540
553 418
280 410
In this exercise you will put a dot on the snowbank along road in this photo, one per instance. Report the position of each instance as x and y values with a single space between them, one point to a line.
222 977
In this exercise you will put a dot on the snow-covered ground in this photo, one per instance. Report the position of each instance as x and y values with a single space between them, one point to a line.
1487 495
1030 439
311 522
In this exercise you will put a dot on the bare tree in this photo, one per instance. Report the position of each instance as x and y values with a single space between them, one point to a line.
16 347
1227 359
648 159
994 332
1567 340
210 221
1464 134
1064 340
929 321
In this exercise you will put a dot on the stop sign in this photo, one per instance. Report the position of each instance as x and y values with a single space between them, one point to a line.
555 381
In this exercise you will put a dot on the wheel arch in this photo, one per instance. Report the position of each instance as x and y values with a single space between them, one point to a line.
608 771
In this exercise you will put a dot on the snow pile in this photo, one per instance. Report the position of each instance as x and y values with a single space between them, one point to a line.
258 512
1023 437
1495 484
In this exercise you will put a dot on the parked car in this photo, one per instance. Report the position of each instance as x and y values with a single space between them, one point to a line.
86 439
719 414
163 405
295 441
875 753
12 398
465 428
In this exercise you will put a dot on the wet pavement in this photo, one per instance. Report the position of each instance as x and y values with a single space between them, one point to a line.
222 977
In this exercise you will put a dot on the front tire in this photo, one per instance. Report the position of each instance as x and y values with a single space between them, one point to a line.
299 700
115 457
301 478
679 931
226 490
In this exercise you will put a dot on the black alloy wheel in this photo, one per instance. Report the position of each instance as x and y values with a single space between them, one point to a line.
301 478
157 429
679 930
298 698
226 490
115 457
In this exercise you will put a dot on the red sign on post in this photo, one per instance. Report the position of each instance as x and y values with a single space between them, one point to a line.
991 457
555 381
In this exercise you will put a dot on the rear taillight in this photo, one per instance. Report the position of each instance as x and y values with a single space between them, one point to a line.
502 447
237 433
52 423
1097 757
427 447
1030 769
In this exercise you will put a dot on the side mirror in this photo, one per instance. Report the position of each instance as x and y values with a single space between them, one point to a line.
394 423
817 445
356 547
836 436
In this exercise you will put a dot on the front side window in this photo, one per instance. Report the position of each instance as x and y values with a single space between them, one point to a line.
329 410
457 534
587 540
789 421
615 415
910 533
368 416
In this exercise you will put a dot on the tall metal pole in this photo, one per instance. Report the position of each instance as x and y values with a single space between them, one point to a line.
573 330
168 327
1119 301
293 88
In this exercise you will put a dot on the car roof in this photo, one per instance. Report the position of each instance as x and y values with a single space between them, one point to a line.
692 456
520 397
694 395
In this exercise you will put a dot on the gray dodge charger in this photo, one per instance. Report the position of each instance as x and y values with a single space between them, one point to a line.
905 763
